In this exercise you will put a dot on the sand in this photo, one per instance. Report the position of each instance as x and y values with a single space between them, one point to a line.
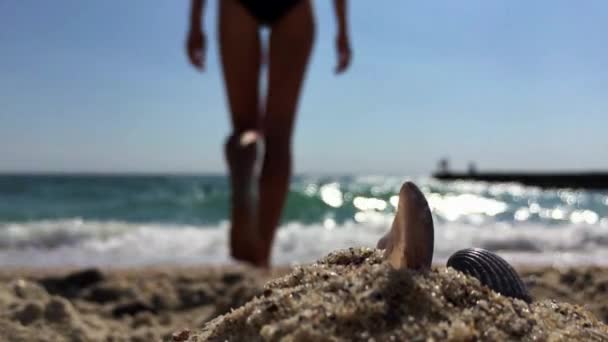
353 295
348 295
147 304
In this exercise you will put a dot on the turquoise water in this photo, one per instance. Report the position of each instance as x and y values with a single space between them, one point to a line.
204 199
93 219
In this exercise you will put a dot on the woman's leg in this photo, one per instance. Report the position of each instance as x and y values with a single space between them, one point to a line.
240 56
291 41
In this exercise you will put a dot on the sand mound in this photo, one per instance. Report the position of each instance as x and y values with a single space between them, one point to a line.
351 295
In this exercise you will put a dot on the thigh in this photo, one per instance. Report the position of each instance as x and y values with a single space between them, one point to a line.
291 41
240 56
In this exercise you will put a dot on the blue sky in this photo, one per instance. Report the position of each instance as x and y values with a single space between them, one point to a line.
105 86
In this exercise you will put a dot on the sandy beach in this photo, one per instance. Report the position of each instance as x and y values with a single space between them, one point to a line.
348 295
152 152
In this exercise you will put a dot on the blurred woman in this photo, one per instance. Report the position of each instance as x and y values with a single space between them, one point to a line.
257 203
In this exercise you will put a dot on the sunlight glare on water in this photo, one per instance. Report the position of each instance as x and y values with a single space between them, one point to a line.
331 195
452 207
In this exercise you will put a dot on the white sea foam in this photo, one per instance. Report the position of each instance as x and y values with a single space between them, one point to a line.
76 242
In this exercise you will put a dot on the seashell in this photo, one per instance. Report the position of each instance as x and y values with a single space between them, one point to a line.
409 245
491 270
409 242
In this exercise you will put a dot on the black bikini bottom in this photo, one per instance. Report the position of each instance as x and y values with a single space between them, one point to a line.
267 12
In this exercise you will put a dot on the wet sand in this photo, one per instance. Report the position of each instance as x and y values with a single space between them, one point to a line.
348 295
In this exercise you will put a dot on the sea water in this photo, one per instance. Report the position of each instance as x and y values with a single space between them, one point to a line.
128 220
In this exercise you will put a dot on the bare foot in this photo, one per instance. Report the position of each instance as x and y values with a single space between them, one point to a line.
241 154
409 243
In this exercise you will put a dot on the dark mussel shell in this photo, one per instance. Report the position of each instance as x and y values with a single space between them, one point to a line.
491 270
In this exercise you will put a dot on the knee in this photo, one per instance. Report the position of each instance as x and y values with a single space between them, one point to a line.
243 138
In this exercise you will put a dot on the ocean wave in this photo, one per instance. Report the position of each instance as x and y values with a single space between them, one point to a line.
77 242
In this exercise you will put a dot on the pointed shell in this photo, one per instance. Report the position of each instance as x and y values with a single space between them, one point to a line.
491 270
409 242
